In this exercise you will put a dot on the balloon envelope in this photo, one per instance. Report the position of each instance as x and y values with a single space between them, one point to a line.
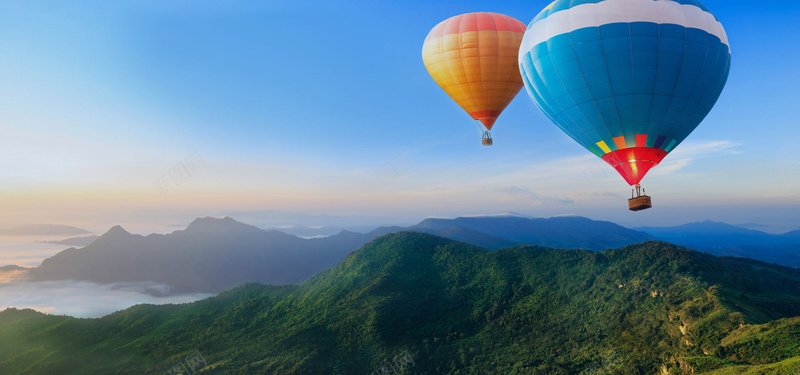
473 58
627 79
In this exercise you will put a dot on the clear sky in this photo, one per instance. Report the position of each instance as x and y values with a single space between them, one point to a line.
132 110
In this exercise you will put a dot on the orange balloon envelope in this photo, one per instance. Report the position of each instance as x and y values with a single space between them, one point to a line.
473 58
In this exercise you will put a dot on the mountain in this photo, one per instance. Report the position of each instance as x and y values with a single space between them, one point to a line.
792 234
459 233
751 225
715 234
324 231
272 219
504 230
75 241
10 268
725 239
210 255
785 255
12 273
428 305
43 230
570 232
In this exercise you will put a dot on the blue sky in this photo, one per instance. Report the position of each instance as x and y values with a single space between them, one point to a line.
306 106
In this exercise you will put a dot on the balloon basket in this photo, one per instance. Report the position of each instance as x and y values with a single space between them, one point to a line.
486 140
639 202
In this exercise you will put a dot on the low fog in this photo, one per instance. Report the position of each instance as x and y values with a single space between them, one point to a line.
84 299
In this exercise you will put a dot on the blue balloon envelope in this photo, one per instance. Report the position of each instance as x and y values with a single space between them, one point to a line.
626 79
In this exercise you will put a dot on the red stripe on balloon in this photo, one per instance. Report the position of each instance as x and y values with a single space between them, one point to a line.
486 117
633 163
481 114
641 140
476 22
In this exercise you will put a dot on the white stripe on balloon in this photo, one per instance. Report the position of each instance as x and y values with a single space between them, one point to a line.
620 11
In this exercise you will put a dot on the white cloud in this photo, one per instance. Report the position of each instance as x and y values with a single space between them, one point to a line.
687 152
670 166
694 149
84 299
605 195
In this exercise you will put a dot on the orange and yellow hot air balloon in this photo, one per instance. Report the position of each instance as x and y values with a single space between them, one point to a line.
473 58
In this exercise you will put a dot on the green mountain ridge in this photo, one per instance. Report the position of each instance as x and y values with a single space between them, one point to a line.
450 308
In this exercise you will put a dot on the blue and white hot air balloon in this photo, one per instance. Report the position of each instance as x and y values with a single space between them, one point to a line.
627 79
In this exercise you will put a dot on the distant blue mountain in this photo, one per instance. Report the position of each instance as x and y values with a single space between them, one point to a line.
785 255
756 226
725 239
212 255
715 234
792 234
567 232
323 231
75 241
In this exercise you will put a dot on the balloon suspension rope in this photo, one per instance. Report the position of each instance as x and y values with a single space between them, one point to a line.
486 138
639 191
480 126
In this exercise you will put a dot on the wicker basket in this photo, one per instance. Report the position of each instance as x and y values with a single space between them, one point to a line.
639 203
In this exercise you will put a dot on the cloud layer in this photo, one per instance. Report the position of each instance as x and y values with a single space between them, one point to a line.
84 299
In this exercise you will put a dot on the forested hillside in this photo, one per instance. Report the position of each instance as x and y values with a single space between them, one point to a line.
428 305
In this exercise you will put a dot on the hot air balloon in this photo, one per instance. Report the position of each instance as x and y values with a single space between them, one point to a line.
473 58
627 79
